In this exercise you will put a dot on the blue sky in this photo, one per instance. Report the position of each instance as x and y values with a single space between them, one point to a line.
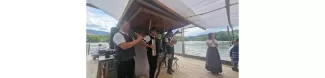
101 21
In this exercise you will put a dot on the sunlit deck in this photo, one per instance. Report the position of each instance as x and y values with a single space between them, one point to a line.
193 68
188 68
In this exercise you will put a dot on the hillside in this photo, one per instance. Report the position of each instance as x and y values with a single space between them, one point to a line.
221 36
97 36
94 32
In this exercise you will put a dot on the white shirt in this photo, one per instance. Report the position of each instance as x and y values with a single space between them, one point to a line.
146 38
118 38
230 48
166 39
213 44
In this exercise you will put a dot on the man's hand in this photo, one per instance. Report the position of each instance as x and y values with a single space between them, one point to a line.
152 47
170 44
140 37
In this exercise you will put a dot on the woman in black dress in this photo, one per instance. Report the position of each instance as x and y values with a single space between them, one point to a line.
213 62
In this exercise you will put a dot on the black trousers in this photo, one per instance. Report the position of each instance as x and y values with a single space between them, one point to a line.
170 51
170 61
235 62
125 69
152 63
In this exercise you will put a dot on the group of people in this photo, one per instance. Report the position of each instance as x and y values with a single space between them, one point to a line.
213 61
125 51
147 58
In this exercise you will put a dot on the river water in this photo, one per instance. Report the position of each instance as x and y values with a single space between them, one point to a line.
196 48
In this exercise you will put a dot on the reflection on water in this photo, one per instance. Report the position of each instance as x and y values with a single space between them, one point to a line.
197 48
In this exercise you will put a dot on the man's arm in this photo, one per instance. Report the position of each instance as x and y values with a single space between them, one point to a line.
144 44
127 45
145 40
120 41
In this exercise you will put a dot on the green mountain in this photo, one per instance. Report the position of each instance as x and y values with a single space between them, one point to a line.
220 36
97 38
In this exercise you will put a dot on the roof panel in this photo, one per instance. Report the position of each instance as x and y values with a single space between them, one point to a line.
114 8
234 15
206 13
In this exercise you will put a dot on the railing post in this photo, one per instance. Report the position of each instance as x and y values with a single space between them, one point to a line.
183 40
88 48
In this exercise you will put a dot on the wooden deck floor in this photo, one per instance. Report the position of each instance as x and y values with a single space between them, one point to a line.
193 68
92 67
188 68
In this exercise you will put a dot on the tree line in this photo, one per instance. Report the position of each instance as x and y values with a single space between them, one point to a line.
97 38
220 36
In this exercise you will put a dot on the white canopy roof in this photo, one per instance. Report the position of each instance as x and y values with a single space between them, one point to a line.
114 8
206 13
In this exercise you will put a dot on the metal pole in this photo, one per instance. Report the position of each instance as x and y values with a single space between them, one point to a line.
149 24
183 40
227 2
229 35
88 48
232 31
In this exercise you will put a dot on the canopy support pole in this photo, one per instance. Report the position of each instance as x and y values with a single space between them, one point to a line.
232 32
183 40
149 24
230 42
228 16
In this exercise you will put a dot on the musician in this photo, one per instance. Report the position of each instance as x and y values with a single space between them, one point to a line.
125 51
152 53
170 50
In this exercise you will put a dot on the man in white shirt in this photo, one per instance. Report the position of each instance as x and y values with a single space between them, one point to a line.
95 53
125 51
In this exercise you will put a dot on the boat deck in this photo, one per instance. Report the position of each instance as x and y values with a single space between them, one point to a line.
188 68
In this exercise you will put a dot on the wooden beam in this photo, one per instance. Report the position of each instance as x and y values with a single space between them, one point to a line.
135 14
124 12
161 4
156 14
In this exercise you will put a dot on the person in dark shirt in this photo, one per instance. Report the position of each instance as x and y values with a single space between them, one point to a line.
152 53
235 55
170 42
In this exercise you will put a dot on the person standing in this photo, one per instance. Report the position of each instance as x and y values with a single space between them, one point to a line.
170 50
152 53
213 62
234 54
95 53
125 51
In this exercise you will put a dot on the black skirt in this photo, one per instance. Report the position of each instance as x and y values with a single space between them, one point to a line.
213 61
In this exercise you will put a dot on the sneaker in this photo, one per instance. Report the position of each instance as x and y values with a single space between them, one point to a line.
234 69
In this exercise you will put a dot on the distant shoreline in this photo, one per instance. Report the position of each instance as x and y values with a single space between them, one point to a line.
107 42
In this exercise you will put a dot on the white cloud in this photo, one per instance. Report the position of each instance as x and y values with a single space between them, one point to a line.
98 20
